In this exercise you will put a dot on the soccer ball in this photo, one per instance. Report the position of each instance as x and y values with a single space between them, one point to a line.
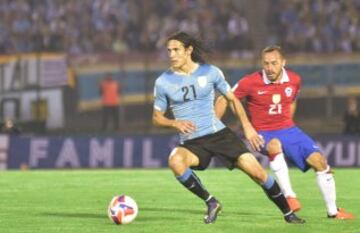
122 209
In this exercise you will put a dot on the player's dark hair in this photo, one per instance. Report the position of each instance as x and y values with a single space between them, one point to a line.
199 49
272 48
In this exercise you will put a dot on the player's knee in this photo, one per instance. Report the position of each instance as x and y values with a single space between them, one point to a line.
318 162
249 164
175 161
274 146
321 166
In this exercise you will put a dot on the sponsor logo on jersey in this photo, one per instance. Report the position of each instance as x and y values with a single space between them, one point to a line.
261 92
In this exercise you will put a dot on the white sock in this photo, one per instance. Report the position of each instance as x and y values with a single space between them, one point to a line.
281 171
326 183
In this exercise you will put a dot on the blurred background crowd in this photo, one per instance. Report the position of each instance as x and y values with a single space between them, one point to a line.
321 26
90 26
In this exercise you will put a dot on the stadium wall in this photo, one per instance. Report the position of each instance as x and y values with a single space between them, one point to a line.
149 151
138 85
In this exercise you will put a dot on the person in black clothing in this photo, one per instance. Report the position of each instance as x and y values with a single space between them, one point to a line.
352 117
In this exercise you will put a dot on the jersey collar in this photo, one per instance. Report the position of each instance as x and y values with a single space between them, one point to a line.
195 68
284 78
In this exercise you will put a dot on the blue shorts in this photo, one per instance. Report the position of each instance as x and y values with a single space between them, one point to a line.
297 146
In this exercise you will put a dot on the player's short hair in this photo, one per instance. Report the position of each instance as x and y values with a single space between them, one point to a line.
272 48
197 54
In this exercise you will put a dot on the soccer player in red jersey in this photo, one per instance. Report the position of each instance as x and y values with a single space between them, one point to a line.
271 101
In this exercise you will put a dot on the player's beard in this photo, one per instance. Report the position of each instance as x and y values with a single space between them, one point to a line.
274 77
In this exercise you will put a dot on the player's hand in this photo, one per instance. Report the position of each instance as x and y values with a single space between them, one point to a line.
256 140
184 127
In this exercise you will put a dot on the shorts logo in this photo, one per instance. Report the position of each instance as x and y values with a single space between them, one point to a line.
202 80
276 98
288 91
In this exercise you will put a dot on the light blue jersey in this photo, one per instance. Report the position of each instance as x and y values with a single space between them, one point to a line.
191 97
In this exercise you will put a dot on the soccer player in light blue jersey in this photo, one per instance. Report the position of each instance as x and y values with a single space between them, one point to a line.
188 89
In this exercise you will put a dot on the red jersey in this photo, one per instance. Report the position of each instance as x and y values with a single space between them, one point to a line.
269 104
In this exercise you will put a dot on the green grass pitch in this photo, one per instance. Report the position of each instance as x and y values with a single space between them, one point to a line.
67 201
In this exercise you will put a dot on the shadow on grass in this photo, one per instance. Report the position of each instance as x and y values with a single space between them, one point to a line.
165 212
193 211
146 218
73 215
176 214
171 210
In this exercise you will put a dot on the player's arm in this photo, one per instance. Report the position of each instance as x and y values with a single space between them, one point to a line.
220 106
159 119
293 109
294 103
250 133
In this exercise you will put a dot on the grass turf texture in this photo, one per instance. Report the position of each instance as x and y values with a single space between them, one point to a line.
76 201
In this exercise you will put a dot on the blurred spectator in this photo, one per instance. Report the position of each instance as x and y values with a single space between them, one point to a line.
108 25
320 26
352 117
110 99
9 127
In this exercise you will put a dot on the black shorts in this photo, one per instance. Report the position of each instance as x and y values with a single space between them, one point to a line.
224 145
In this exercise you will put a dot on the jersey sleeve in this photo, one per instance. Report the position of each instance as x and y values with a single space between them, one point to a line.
220 83
298 87
160 100
240 88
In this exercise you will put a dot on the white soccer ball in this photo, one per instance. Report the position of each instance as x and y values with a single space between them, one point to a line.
122 209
